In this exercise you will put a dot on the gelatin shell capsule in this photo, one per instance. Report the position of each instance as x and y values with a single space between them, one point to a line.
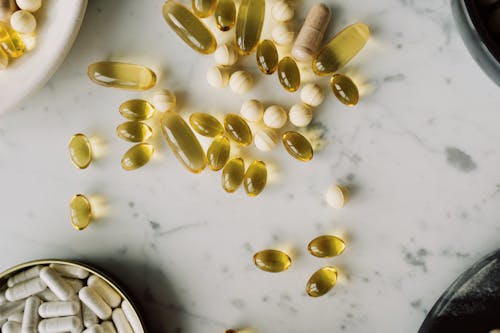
289 74
10 41
122 75
4 59
267 56
137 109
137 156
344 89
205 124
225 14
322 281
80 211
80 151
233 174
203 8
134 131
273 261
218 153
249 25
297 146
326 246
255 178
238 130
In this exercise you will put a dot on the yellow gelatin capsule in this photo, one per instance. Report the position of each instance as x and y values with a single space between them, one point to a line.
122 75
80 212
289 74
321 281
232 174
340 49
326 246
137 156
205 124
273 261
218 153
188 27
225 14
10 41
297 146
203 8
4 59
249 25
183 142
137 109
255 178
238 130
80 151
344 89
134 131
267 56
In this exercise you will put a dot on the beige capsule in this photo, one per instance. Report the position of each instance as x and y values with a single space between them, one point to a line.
137 156
134 131
311 33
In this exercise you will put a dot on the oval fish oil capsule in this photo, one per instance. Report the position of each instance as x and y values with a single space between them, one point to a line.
203 8
249 25
11 42
267 56
137 156
205 124
218 153
289 74
183 142
134 131
233 174
137 109
321 281
326 246
340 49
225 14
344 89
80 211
297 146
273 261
255 178
4 59
80 150
188 27
238 130
122 75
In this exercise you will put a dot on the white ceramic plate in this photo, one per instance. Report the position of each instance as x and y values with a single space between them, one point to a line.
58 25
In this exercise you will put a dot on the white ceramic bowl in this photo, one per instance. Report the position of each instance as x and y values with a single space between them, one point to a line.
58 25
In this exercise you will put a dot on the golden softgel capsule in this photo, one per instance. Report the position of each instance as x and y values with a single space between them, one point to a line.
340 49
121 75
273 261
255 178
137 109
218 153
267 56
10 41
80 212
203 8
4 59
134 131
183 142
326 246
188 27
344 89
225 14
297 146
322 281
249 25
289 74
80 150
238 130
205 124
232 174
137 156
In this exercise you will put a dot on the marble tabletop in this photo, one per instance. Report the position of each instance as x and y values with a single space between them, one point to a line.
420 152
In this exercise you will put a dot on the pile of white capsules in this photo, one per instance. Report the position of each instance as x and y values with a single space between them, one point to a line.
64 298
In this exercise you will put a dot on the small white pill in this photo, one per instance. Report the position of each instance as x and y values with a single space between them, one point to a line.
94 329
11 327
57 284
132 317
89 317
10 308
121 323
108 327
70 271
29 5
29 40
47 295
94 301
18 316
164 100
226 55
282 34
275 116
337 196
240 82
252 110
282 11
312 94
31 317
76 284
300 115
24 276
60 324
59 309
217 77
23 21
265 139
108 294
25 289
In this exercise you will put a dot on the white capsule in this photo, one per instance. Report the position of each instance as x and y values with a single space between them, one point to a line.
24 276
29 40
252 110
164 100
240 82
31 317
57 284
10 308
121 323
60 324
76 284
225 55
132 317
108 327
25 289
11 327
108 294
29 5
312 94
282 11
18 316
94 301
217 77
23 21
94 329
70 271
89 317
265 139
47 295
275 116
337 196
282 34
300 115
59 309
3 300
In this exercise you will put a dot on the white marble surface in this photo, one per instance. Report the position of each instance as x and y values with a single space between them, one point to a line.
421 151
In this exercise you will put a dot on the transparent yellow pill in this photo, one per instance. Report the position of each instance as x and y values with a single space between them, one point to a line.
4 59
238 130
267 56
10 41
203 8
188 27
233 174
183 142
289 74
340 49
80 212
322 281
297 146
122 75
225 14
80 150
326 246
205 124
344 89
134 131
137 156
255 178
273 261
249 25
137 109
218 153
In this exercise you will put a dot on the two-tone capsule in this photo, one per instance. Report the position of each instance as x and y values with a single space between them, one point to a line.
137 109
203 8
80 150
255 178
267 56
238 130
137 156
289 74
273 261
326 246
322 281
134 131
205 124
233 174
122 75
80 210
218 153
11 42
344 89
249 24
297 146
225 14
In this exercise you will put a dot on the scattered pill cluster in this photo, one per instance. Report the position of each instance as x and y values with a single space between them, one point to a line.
64 298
